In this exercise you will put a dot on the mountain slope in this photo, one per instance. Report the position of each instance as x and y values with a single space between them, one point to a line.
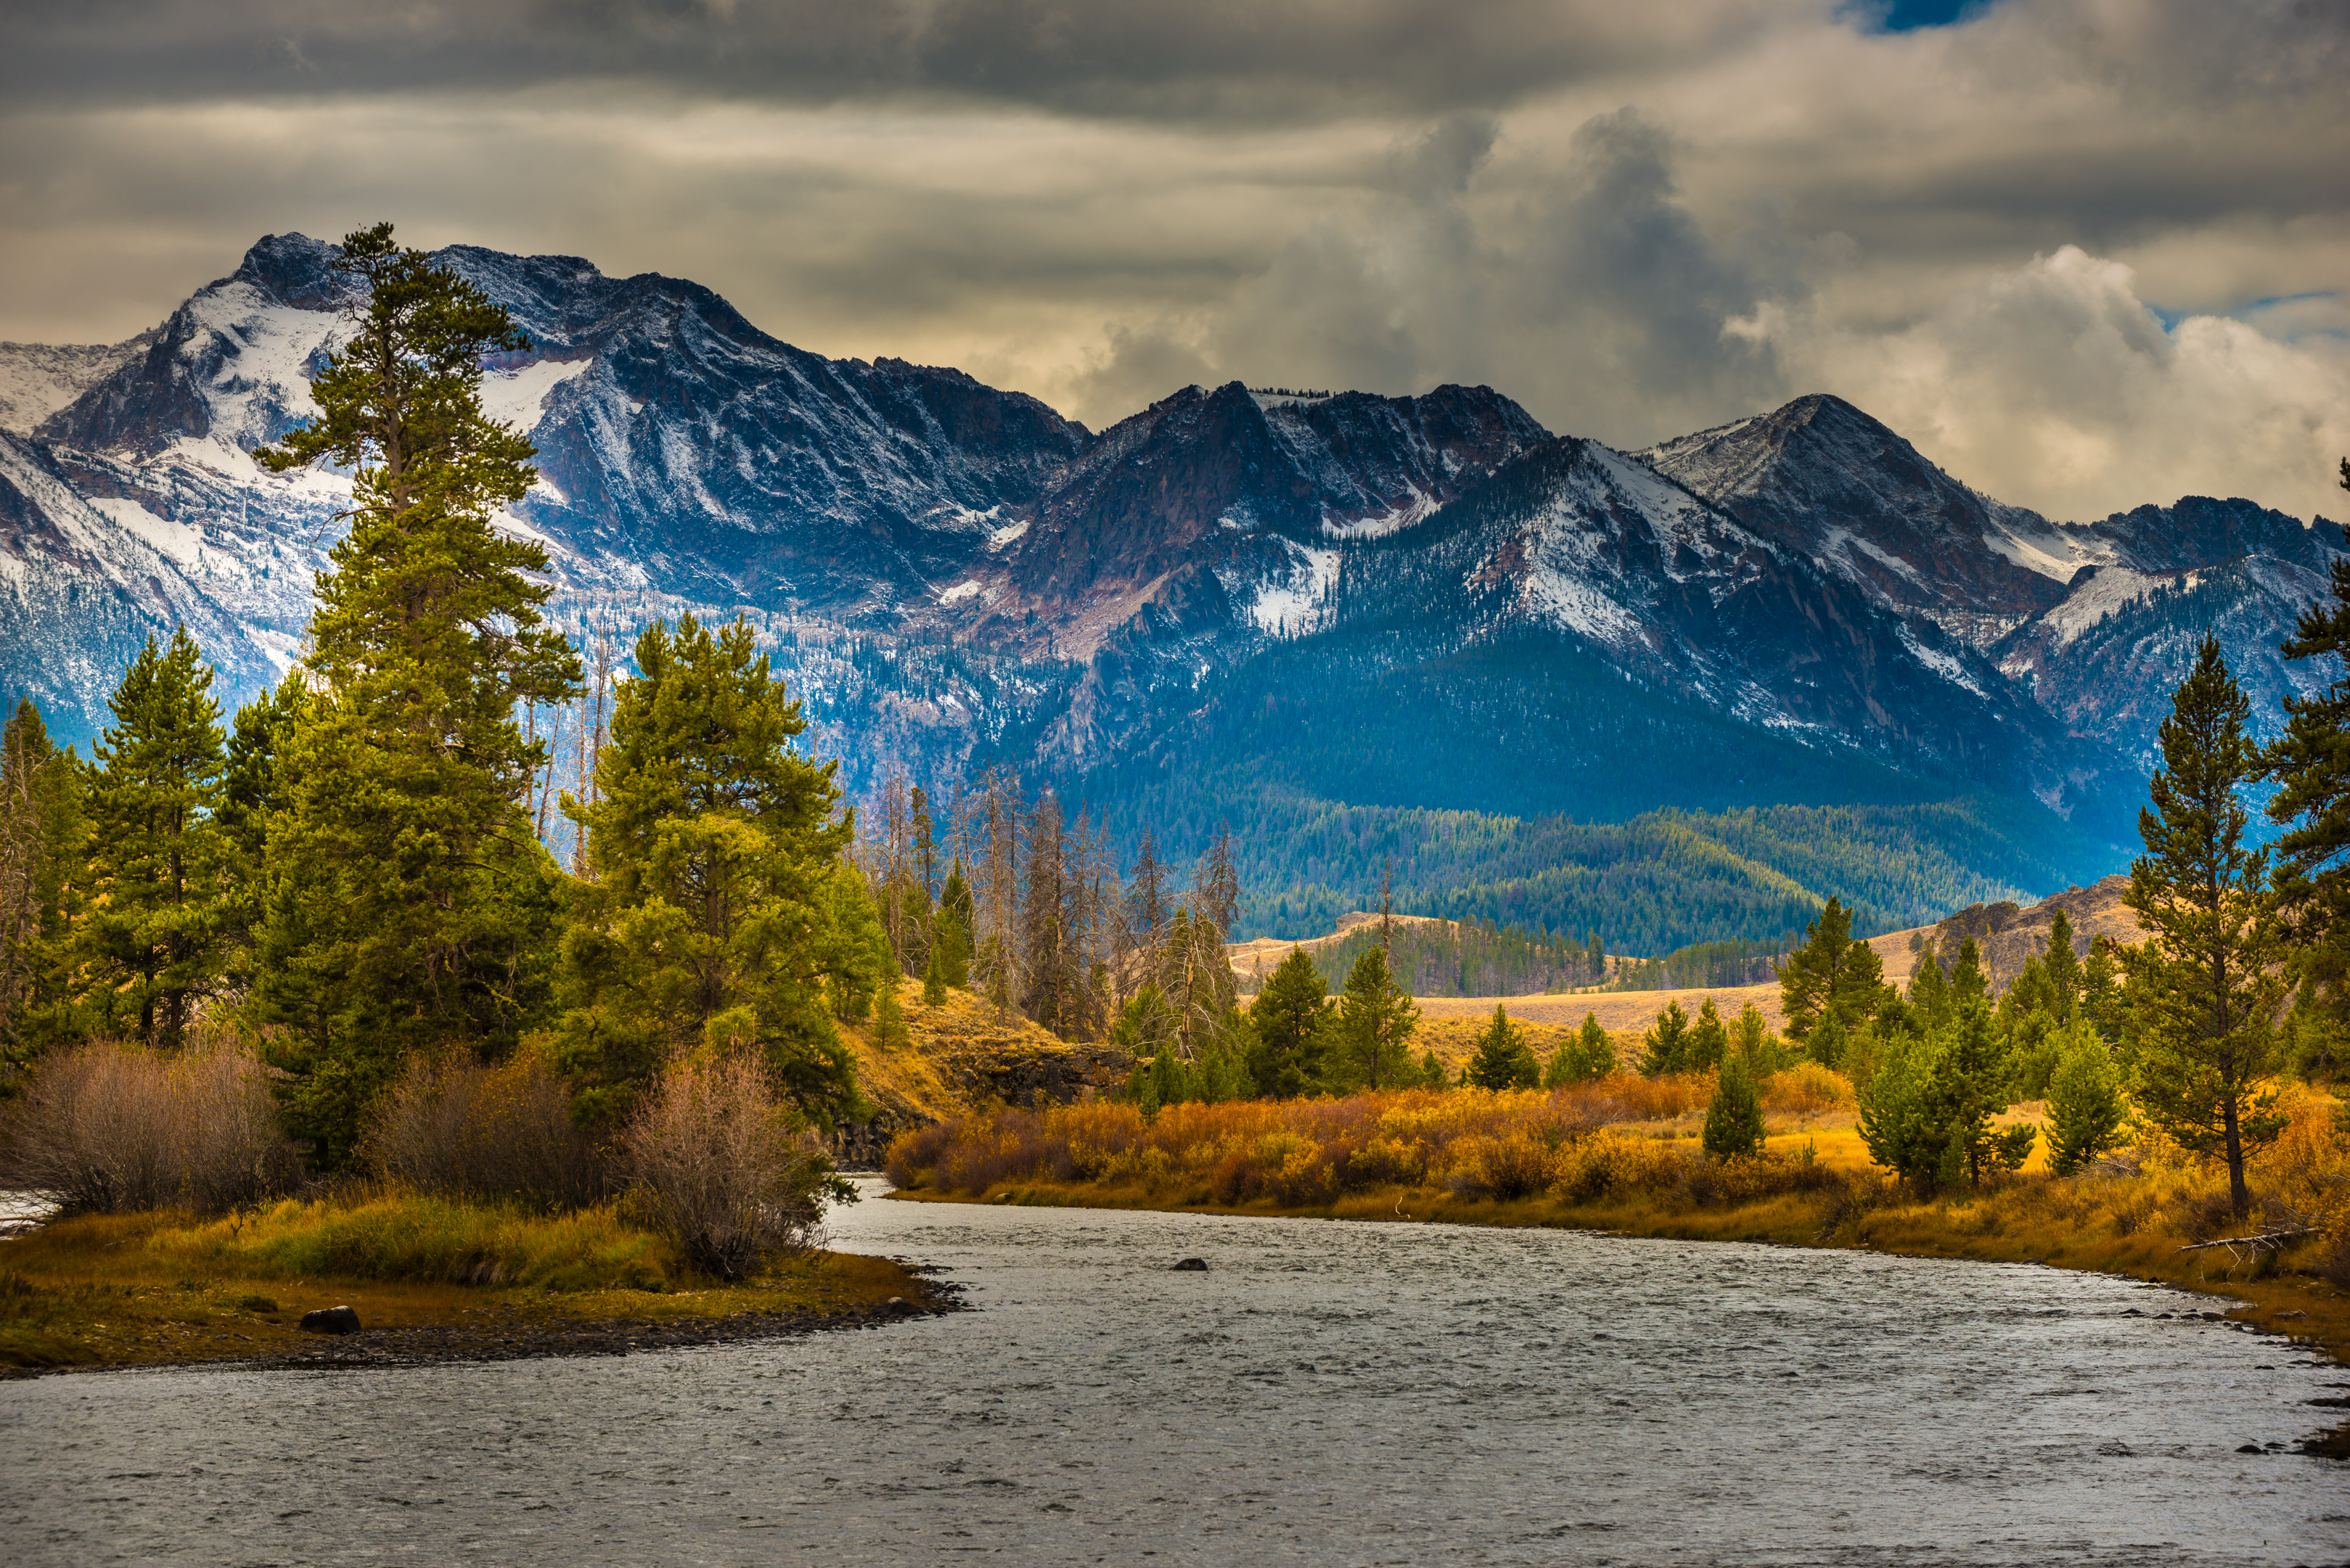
2141 587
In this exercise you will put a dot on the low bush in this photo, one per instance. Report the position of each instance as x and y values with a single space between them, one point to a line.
1807 1089
108 1128
1507 1144
717 1162
450 1126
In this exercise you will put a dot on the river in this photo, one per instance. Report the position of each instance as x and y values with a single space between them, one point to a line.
1325 1393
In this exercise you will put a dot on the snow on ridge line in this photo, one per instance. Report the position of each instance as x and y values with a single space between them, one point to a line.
1940 663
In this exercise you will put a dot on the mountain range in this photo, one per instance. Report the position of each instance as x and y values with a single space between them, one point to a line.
1539 679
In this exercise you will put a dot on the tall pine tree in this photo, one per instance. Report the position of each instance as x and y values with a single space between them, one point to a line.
1375 1019
2206 985
153 944
2311 764
409 905
43 876
1291 1018
722 913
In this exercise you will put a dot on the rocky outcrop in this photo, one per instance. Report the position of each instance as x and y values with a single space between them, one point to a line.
2007 935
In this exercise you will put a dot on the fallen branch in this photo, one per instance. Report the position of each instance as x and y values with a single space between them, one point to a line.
2270 1240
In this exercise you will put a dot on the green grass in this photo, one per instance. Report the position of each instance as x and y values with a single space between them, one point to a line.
395 1236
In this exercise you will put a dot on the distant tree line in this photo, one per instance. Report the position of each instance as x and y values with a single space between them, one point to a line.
1462 958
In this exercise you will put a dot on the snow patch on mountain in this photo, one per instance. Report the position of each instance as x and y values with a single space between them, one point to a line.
518 397
1379 524
1944 664
182 542
1291 598
36 380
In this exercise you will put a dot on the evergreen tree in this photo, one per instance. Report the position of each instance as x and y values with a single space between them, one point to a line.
935 978
2062 968
954 934
2101 995
1927 1109
1750 1039
43 890
1967 982
411 907
252 795
1375 1019
1585 1054
152 942
1929 991
1667 1042
1733 1120
1708 1040
1831 1043
1293 1016
889 1031
1502 1059
2086 1110
1808 979
1145 1031
2311 765
723 913
2206 985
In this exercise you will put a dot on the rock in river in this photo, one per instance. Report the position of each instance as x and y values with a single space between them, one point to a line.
1192 1265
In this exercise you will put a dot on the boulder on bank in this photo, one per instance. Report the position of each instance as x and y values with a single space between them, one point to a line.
330 1319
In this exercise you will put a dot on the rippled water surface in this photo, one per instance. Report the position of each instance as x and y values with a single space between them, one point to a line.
1327 1393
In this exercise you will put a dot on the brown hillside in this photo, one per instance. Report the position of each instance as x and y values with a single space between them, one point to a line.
960 1057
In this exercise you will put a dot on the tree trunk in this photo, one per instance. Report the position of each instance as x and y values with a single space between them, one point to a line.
2239 1195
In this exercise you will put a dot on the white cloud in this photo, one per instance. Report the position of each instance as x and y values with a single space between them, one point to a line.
1569 199
2054 385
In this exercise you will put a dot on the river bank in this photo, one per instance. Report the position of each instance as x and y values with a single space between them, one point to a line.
1509 1161
111 1292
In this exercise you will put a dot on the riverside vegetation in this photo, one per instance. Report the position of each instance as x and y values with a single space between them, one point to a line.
306 1001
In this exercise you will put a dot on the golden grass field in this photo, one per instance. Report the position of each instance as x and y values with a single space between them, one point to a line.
1627 1014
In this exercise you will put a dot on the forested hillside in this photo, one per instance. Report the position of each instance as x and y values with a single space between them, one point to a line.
1661 880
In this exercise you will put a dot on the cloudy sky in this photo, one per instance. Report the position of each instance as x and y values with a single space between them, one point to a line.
2084 253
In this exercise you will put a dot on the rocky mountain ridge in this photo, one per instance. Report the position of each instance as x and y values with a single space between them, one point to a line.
949 573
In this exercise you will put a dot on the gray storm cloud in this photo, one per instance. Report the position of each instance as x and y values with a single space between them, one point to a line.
2087 254
1264 59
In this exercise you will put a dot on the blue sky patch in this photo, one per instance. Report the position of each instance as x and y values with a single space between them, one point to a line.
1909 16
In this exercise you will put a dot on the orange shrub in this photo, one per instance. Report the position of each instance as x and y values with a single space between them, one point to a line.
1807 1089
1512 1144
